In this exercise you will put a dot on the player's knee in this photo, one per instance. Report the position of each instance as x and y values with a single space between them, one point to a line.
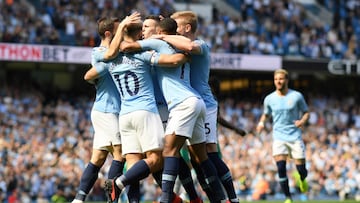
168 151
198 153
98 157
281 165
98 162
118 156
117 149
154 159
211 147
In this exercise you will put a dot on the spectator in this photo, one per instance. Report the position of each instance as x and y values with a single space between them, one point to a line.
267 26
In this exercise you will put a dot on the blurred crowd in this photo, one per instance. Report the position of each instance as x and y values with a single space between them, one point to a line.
263 26
46 142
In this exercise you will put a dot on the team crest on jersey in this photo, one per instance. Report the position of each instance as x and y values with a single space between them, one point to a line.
99 49
290 102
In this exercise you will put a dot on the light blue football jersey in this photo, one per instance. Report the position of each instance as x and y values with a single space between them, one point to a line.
107 98
284 111
132 75
174 82
159 97
199 74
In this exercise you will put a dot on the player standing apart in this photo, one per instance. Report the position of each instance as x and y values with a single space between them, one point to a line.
289 113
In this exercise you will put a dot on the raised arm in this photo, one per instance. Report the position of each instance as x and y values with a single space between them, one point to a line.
113 50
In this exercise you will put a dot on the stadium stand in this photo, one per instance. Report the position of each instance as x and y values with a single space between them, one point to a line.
265 27
39 129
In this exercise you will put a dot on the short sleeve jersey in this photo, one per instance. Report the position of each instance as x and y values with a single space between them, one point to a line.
159 97
132 75
174 82
199 74
107 97
284 111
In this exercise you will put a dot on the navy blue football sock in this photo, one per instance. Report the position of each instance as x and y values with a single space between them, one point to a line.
224 175
201 178
171 169
302 171
88 179
158 177
283 180
212 179
133 192
116 169
137 172
186 179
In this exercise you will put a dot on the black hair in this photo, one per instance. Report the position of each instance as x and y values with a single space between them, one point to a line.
168 26
153 17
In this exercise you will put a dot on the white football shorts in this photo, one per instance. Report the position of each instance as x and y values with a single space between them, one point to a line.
211 125
141 131
295 149
106 127
187 119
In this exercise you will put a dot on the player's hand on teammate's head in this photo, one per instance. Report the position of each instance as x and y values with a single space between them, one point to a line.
133 18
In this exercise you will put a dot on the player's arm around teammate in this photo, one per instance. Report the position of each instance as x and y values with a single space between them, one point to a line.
113 50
